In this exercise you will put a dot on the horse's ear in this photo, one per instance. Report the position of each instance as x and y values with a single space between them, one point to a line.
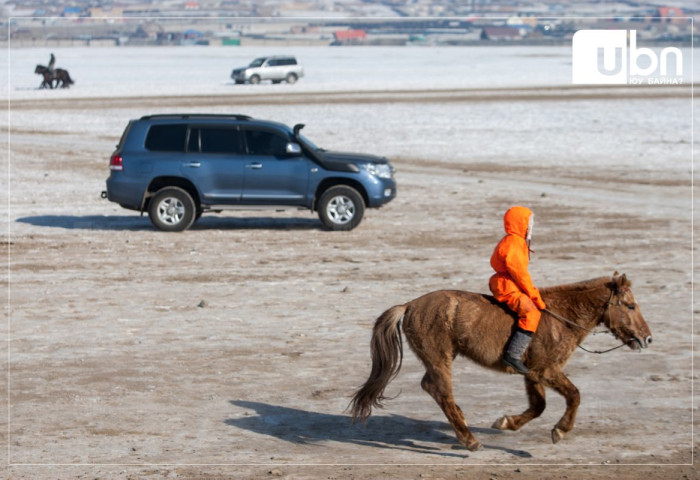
620 281
615 281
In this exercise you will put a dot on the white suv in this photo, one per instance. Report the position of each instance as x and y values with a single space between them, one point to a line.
269 68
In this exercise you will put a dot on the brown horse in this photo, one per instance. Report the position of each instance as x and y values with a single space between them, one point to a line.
442 324
59 75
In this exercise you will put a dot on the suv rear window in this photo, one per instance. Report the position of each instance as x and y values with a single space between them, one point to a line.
166 138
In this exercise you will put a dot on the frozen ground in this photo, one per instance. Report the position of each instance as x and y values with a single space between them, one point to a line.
116 371
562 125
190 70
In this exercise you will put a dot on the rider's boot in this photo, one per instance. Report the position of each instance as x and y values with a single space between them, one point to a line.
517 345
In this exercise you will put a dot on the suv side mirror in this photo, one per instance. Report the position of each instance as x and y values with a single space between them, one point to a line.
293 149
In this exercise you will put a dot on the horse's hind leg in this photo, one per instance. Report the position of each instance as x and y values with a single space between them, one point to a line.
537 404
439 385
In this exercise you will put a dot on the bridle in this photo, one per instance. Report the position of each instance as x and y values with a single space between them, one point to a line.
610 322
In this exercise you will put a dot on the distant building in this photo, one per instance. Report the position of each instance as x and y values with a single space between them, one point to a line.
193 34
349 36
149 30
302 29
500 33
72 12
670 14
518 22
102 12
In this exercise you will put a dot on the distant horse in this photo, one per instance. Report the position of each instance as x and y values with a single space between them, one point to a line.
60 76
442 324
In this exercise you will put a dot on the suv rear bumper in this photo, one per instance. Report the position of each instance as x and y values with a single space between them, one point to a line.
125 193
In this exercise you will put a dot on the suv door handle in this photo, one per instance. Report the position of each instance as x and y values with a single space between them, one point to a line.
193 164
254 166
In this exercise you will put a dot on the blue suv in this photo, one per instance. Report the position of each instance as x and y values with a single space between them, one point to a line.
176 167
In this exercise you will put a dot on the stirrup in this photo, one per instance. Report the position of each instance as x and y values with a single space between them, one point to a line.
516 364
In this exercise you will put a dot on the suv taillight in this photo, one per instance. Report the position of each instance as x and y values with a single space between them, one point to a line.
115 163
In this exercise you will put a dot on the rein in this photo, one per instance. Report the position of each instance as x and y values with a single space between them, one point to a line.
565 320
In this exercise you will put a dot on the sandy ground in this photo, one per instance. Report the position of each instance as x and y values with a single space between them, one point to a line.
231 350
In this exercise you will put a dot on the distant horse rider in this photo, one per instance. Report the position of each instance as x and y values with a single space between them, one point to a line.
52 63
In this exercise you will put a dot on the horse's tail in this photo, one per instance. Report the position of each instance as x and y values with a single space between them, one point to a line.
68 79
386 349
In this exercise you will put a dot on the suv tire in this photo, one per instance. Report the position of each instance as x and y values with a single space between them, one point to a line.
172 209
254 80
341 208
291 78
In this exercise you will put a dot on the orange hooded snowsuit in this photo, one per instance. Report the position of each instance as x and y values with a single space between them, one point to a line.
511 284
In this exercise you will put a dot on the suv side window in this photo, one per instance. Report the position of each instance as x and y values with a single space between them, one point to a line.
166 138
261 142
288 61
215 140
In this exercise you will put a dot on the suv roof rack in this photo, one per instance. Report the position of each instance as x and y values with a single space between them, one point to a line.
196 115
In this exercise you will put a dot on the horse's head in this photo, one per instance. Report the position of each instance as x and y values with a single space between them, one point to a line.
40 69
623 316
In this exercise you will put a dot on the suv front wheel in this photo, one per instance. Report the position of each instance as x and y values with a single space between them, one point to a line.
341 208
172 209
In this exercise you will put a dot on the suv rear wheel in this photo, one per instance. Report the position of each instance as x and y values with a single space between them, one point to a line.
172 209
255 79
341 208
291 78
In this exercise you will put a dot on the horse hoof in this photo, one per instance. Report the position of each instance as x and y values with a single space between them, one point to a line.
474 446
557 435
501 424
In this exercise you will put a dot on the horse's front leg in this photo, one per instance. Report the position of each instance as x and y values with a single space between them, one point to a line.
537 404
558 381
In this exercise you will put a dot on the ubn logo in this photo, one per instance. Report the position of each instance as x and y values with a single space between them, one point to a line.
602 57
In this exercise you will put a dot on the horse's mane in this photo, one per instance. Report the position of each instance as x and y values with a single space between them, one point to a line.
580 298
578 287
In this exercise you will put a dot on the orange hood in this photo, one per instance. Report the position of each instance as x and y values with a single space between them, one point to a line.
516 221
